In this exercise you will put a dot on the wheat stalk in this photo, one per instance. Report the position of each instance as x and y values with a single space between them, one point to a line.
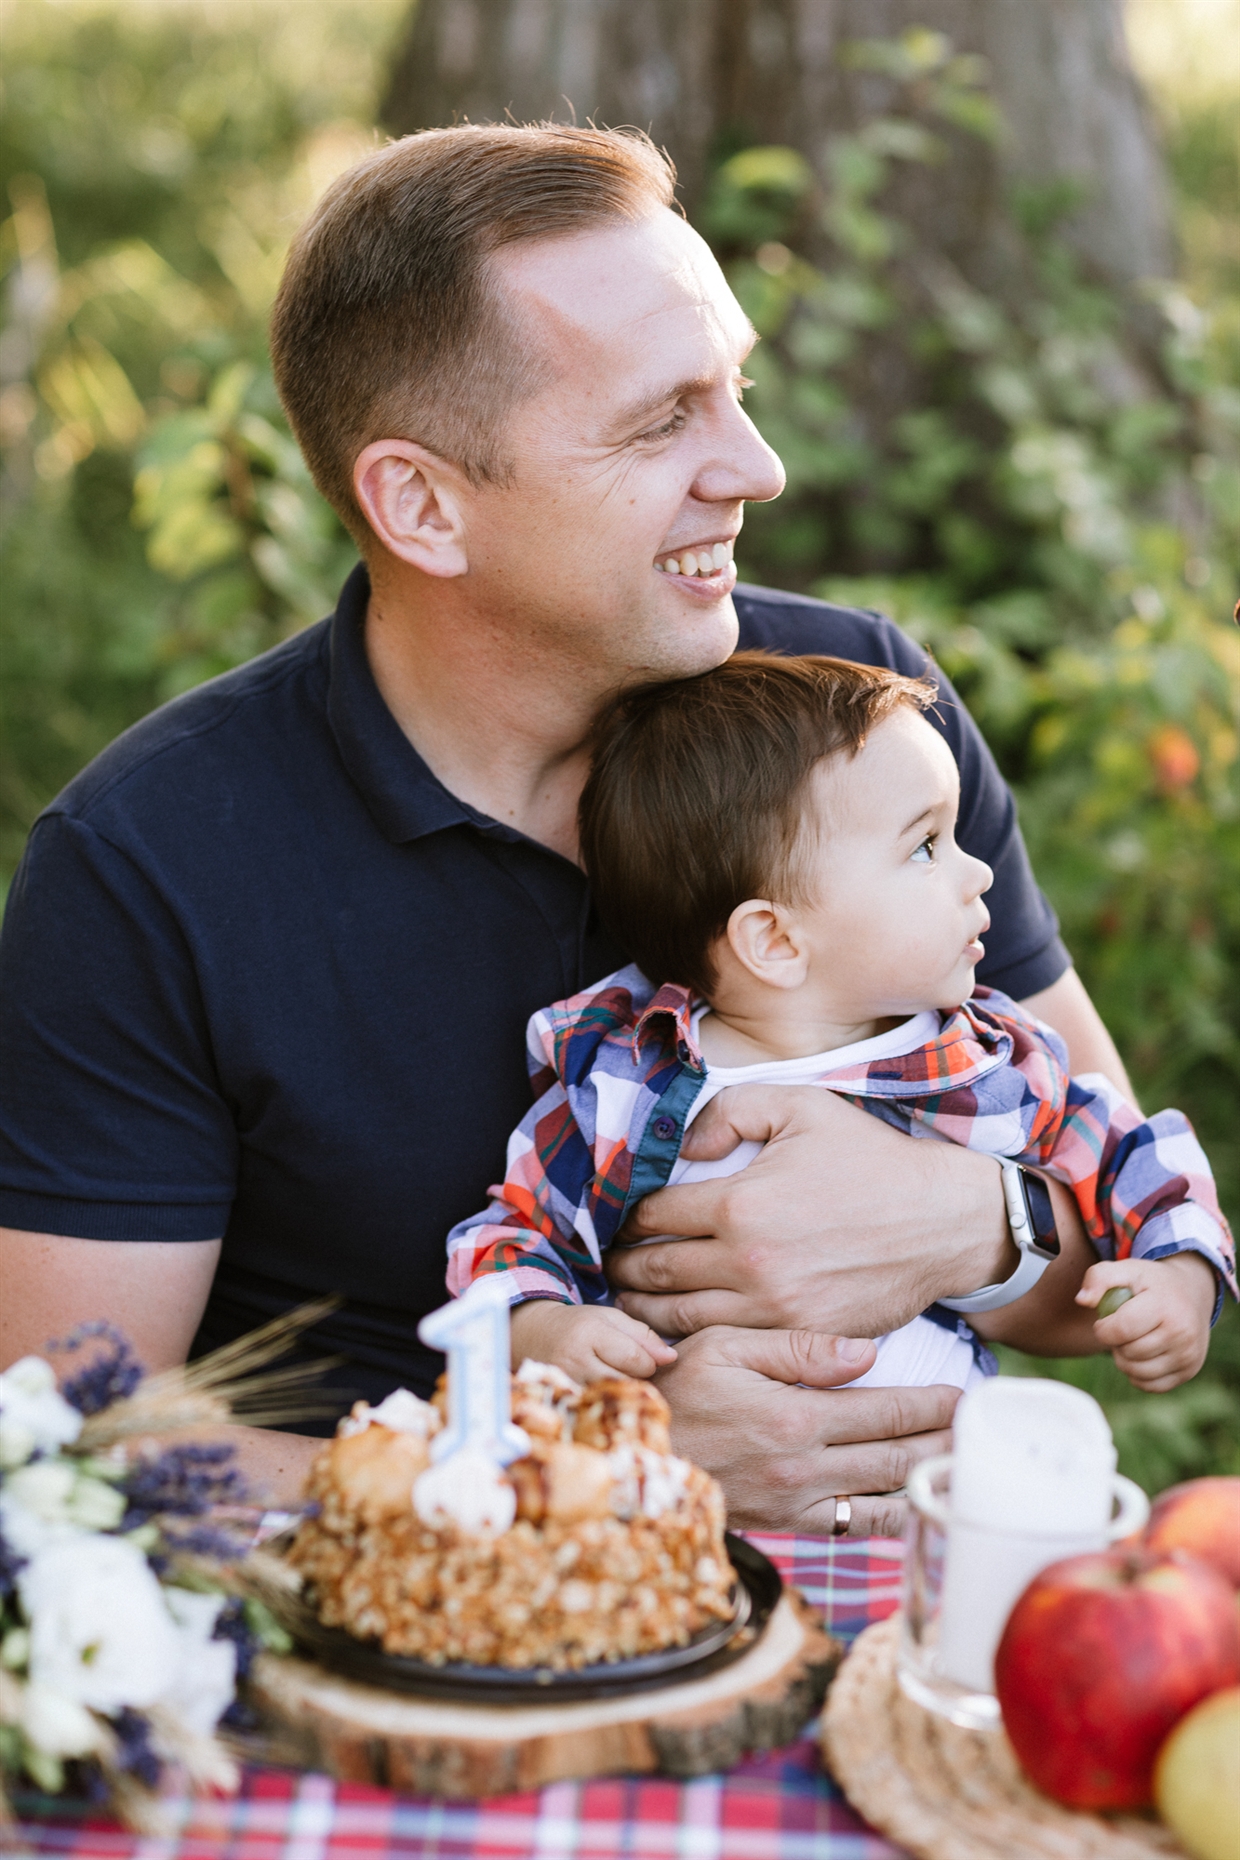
231 1384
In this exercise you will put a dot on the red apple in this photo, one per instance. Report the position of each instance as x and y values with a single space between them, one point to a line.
1202 1517
1101 1655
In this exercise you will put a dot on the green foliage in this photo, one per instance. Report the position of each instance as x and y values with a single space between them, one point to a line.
1050 501
156 161
1041 483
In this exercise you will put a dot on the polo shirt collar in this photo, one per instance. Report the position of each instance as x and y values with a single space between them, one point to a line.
405 800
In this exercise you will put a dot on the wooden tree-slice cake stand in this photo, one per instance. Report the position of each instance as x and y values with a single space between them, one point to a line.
946 1793
432 1746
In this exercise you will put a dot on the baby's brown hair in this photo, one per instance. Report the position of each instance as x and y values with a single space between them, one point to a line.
694 799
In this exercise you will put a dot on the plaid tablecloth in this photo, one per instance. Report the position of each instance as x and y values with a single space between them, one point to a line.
777 1807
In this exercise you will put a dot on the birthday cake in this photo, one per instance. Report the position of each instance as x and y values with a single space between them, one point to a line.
594 1543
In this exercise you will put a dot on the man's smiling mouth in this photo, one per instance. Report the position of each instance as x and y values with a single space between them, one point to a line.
704 559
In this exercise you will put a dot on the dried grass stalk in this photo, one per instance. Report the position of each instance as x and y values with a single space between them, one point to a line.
232 1384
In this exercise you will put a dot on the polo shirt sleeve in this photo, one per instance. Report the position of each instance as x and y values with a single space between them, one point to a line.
112 1123
1024 953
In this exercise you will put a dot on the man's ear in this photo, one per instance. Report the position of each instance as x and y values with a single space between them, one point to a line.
766 939
415 502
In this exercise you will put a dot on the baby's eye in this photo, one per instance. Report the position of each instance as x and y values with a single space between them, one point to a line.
925 852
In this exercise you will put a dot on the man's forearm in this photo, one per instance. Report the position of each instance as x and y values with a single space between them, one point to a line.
974 1244
273 1465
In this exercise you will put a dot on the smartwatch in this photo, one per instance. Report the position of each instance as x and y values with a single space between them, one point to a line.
1031 1222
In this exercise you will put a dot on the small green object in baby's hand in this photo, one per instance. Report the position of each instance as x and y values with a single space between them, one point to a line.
1111 1301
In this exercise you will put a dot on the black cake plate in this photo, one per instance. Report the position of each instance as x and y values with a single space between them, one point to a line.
758 1589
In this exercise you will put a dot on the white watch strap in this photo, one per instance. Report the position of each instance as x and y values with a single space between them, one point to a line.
1033 1262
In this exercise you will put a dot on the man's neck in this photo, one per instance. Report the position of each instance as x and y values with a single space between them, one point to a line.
503 729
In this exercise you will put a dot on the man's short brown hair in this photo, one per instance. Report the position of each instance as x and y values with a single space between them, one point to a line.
386 324
694 799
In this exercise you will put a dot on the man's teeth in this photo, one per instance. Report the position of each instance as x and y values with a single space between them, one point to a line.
698 561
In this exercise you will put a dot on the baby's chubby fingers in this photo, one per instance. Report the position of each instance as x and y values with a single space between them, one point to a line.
1104 1277
1167 1369
1136 1317
587 1341
627 1345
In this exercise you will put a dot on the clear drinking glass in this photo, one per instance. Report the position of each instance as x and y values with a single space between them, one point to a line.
919 1666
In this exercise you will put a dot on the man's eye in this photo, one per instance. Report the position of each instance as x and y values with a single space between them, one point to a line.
671 425
925 852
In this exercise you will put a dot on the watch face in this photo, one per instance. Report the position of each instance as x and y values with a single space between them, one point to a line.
1041 1213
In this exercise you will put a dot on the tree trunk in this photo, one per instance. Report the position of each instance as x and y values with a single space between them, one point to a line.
705 76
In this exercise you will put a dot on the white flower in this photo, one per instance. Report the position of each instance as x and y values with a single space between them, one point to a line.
100 1632
34 1506
52 1500
33 1412
205 1681
59 1726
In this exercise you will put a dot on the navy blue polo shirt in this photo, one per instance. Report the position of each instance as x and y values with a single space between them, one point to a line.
263 976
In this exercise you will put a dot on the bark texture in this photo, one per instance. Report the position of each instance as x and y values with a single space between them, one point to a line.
706 75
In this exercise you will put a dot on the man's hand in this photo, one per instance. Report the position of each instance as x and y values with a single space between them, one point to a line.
842 1224
586 1341
1159 1336
783 1452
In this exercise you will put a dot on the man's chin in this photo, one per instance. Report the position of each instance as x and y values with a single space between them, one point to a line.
687 640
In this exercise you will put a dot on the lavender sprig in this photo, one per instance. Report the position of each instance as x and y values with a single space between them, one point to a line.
111 1376
134 1751
10 1563
183 1481
233 1624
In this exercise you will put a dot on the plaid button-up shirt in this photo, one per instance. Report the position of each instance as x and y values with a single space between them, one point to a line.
616 1070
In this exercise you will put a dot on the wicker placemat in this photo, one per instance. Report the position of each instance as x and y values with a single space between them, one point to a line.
950 1794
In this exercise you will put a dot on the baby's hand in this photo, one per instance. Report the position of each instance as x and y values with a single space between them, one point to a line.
1159 1336
586 1341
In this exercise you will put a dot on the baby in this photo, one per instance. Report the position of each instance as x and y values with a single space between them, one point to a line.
774 843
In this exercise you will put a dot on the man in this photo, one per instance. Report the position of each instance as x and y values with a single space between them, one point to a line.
268 960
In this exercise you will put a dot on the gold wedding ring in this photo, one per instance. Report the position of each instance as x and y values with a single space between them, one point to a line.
843 1517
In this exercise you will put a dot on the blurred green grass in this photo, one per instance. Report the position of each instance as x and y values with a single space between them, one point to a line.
1068 547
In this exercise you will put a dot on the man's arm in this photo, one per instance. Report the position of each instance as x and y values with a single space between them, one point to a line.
155 1292
872 1227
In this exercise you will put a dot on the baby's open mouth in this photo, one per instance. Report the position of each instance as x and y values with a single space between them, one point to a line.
703 559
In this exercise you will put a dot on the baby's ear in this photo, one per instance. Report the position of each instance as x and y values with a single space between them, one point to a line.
765 939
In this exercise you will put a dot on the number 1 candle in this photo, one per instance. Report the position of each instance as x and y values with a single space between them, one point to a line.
465 1483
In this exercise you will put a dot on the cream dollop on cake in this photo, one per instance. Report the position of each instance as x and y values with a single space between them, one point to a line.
598 1544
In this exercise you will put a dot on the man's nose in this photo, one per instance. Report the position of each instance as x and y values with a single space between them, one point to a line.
740 466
